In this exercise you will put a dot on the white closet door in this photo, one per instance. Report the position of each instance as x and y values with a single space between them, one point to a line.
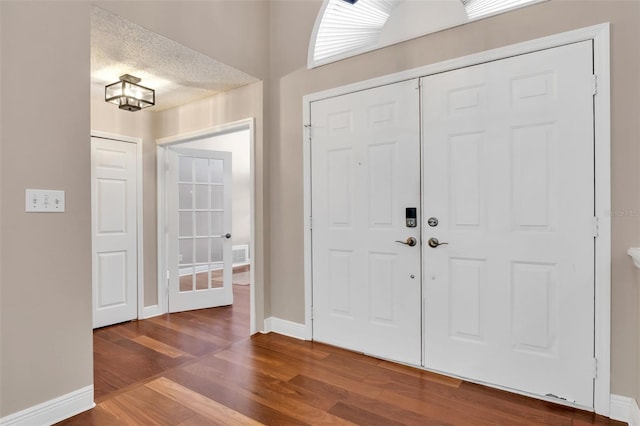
114 231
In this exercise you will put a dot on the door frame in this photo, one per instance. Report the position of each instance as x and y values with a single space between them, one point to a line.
600 37
162 145
139 214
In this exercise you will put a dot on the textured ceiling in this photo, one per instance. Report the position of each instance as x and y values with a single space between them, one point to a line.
178 74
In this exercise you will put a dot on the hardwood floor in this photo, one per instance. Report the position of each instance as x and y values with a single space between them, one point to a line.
202 368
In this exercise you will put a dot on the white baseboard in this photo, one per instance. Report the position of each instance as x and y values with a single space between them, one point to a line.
625 409
53 411
287 328
151 311
634 418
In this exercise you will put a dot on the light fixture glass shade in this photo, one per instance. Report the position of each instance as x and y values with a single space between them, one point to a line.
129 95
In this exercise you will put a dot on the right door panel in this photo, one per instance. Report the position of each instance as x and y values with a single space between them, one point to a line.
508 173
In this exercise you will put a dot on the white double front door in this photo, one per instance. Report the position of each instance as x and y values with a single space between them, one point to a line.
500 287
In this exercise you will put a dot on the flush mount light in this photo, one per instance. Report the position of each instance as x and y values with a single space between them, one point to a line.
129 95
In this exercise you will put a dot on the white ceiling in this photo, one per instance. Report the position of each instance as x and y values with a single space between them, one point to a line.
179 75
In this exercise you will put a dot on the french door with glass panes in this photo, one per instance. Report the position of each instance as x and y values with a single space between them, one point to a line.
199 221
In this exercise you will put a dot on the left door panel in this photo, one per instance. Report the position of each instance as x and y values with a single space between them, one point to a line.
114 231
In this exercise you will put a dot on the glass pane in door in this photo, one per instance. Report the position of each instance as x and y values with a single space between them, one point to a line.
185 169
185 224
202 166
185 196
202 197
216 168
217 223
217 197
217 271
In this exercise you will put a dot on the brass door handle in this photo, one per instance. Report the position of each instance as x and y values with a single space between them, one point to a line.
433 242
411 241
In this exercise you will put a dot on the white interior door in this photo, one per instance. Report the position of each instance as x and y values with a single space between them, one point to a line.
199 229
365 174
509 174
114 231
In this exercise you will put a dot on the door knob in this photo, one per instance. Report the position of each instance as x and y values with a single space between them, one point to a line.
410 242
433 242
227 236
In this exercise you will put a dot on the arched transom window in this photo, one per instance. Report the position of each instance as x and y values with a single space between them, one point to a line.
346 28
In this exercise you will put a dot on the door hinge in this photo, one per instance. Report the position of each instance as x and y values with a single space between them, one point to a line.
594 84
307 130
312 312
595 368
310 222
595 227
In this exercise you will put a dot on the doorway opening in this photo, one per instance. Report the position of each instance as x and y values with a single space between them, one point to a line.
230 249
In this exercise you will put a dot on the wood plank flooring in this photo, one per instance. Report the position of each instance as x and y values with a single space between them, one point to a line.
202 368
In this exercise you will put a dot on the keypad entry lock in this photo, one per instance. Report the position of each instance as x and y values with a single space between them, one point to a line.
411 217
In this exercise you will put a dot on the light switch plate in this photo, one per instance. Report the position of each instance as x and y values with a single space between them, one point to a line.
44 200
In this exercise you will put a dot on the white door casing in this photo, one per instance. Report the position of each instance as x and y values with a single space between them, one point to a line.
509 173
198 184
366 167
114 231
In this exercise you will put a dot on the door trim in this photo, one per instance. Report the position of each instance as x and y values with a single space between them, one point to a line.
142 313
162 145
600 37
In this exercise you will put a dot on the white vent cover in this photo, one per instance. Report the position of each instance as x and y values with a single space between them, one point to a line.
240 254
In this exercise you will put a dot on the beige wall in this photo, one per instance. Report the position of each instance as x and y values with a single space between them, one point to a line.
45 278
45 312
291 25
227 107
108 118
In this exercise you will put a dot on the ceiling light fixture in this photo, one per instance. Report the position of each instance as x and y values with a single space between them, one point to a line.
129 95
